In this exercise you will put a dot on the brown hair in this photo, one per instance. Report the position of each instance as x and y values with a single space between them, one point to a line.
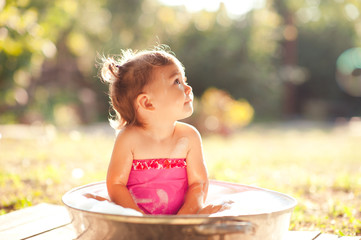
127 74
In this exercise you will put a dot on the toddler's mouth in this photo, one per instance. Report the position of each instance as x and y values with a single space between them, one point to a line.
189 99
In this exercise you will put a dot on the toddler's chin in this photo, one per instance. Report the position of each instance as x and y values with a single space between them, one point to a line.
189 113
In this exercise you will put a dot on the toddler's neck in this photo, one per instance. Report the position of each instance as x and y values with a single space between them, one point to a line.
160 131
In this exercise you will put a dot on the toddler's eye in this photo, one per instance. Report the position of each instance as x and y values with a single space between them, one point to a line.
177 81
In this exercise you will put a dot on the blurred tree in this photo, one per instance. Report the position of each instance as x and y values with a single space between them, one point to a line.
315 33
48 50
286 10
37 44
324 35
235 55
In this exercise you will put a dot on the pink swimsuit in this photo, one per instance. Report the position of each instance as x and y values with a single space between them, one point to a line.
159 186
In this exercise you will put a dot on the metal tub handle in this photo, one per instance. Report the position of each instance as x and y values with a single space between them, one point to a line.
221 228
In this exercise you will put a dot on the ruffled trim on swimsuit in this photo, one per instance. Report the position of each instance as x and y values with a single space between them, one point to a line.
161 163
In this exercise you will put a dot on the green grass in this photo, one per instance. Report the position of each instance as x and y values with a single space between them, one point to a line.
320 167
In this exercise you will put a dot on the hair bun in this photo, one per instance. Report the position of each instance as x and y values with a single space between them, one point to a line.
110 70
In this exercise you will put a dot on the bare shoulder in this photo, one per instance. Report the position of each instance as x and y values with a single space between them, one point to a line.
126 136
188 130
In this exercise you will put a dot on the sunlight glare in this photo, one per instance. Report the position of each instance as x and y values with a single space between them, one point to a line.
234 8
77 173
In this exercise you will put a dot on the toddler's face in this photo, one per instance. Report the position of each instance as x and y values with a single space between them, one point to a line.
171 96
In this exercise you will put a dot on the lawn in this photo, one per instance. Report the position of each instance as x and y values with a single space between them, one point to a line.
318 165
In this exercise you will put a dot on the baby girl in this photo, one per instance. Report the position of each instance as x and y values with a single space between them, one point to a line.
157 165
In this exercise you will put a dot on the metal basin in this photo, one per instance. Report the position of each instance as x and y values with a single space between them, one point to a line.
258 214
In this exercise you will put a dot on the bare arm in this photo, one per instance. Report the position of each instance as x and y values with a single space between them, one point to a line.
197 177
118 173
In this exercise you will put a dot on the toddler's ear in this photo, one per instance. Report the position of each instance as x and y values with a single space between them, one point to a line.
144 102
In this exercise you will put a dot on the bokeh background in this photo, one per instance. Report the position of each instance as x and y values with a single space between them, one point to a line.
282 57
277 86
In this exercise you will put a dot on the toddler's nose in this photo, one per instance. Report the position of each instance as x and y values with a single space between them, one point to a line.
187 89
